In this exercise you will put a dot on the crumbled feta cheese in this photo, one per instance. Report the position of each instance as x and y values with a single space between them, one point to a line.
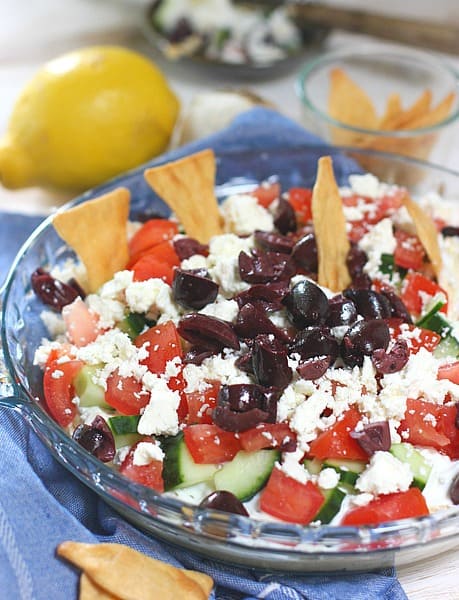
109 311
160 415
197 261
146 452
379 240
361 499
218 367
365 185
384 475
328 479
222 309
243 214
43 351
153 297
291 466
223 264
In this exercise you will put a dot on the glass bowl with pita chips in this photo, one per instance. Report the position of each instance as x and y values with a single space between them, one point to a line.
388 98
261 543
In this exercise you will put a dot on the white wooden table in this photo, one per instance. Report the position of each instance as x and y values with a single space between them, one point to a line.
35 31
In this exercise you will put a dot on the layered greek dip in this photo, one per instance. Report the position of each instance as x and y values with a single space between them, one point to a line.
225 375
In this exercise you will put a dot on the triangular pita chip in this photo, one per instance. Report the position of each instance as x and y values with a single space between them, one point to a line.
426 231
91 591
435 115
129 574
96 230
419 108
187 186
393 110
330 229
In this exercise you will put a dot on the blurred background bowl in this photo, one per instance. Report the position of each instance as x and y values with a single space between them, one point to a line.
382 72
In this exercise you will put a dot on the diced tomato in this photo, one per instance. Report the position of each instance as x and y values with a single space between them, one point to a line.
290 500
301 201
150 267
266 435
164 252
208 444
125 394
63 350
149 475
415 337
58 389
431 425
201 404
162 344
80 323
336 442
409 252
266 193
416 287
390 507
449 371
152 233
392 201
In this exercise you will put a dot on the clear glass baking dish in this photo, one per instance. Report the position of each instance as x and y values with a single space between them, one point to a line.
230 538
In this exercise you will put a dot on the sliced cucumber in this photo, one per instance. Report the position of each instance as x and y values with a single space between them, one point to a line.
447 348
431 309
124 424
420 468
387 264
349 470
247 473
89 393
132 324
126 439
435 321
313 465
332 504
179 468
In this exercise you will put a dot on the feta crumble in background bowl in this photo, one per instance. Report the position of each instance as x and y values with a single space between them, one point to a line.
232 538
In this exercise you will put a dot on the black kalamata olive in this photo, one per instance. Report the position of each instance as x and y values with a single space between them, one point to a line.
244 363
97 439
453 491
186 247
314 341
273 242
450 231
196 355
304 253
313 368
241 406
284 219
52 292
362 281
263 267
252 320
392 361
207 332
398 308
268 296
306 304
355 260
341 311
181 30
270 362
362 339
224 501
192 289
370 304
373 437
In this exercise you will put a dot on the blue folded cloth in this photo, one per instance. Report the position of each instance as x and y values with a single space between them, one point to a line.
41 504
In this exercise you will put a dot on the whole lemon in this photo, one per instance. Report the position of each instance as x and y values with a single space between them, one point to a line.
85 117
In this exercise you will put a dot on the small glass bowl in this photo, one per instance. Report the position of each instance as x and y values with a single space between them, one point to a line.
380 72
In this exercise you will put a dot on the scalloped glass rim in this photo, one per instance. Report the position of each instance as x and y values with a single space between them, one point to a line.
393 54
230 538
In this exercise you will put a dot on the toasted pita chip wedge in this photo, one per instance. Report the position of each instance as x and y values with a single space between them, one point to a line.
420 107
96 230
436 115
330 229
393 110
131 575
90 591
426 231
187 187
348 103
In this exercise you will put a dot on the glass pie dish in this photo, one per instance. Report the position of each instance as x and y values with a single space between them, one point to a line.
235 539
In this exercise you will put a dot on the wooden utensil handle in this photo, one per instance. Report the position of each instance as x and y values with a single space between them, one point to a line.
443 37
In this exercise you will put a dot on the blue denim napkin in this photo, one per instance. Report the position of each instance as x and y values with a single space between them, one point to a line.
41 504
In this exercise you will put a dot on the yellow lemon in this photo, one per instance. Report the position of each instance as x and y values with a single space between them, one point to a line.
85 117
